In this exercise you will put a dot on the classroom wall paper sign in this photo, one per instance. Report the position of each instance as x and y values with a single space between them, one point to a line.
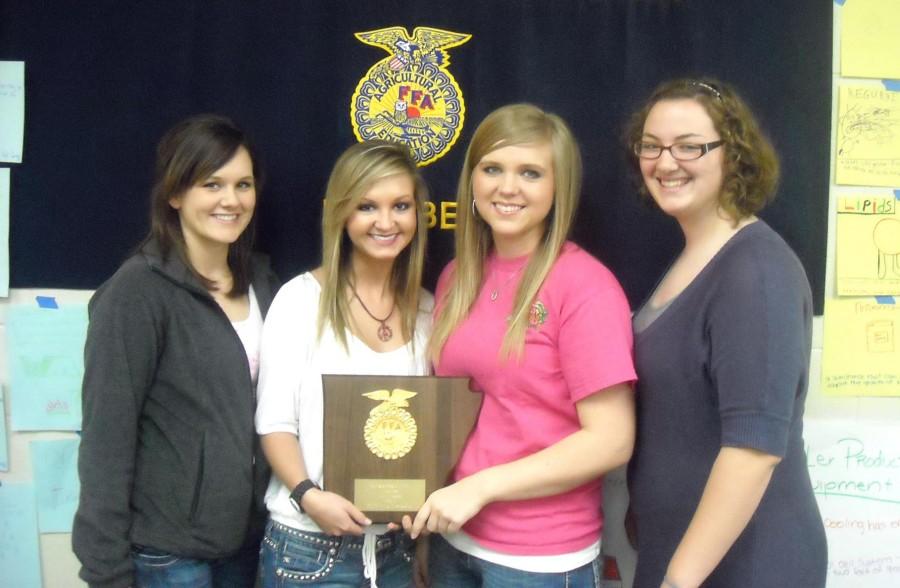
868 142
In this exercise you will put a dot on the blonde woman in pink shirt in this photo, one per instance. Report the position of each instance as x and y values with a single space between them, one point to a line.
543 330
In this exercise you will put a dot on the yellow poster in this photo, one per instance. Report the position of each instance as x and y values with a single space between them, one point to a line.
861 354
868 245
870 39
868 141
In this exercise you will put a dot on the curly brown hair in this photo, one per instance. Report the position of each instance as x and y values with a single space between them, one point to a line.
751 164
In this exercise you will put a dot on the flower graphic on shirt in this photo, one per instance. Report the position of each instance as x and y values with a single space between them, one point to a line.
537 316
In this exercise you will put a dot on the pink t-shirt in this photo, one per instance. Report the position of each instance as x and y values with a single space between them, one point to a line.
579 342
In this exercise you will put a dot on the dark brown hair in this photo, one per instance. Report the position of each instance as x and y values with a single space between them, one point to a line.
751 164
187 154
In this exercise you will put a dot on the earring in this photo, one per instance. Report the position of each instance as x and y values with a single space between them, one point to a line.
474 212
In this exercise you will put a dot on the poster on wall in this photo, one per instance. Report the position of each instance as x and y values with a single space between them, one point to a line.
868 245
861 350
4 447
855 472
4 232
869 38
12 110
868 136
45 343
55 466
20 559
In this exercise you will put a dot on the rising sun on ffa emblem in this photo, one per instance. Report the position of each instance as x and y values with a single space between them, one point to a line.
410 96
390 432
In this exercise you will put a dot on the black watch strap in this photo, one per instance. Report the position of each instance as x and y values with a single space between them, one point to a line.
298 492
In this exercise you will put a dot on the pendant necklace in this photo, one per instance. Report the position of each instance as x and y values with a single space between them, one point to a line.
495 293
384 331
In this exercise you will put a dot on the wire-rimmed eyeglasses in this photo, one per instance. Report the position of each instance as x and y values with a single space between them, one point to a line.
680 151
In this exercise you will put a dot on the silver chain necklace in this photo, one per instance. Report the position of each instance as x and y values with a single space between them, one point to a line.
495 293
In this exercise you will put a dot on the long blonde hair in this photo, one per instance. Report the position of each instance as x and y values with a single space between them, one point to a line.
354 174
514 124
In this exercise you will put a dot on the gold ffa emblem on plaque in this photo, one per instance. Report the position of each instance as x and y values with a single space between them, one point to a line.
410 96
390 432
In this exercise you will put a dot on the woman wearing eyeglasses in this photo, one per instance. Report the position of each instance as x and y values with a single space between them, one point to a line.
720 490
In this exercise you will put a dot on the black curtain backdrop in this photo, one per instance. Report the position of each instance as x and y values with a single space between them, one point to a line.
105 79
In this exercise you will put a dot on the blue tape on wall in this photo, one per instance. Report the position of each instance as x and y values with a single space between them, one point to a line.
46 302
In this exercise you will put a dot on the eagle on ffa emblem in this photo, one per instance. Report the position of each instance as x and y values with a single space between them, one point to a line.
410 96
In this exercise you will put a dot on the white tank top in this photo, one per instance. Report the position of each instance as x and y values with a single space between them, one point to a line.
250 332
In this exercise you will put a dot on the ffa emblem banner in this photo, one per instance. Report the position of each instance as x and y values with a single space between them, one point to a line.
308 79
410 96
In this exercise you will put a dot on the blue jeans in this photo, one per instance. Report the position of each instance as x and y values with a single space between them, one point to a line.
157 569
289 557
451 568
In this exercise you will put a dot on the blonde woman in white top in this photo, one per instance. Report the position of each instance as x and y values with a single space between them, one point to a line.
361 312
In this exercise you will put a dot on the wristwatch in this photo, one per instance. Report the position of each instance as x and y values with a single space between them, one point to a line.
298 492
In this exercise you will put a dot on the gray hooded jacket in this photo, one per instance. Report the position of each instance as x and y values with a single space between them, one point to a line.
169 456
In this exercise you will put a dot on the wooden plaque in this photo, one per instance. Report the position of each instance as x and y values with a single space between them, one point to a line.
390 441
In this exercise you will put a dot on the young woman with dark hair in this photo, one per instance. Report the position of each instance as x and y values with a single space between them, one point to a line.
172 477
720 489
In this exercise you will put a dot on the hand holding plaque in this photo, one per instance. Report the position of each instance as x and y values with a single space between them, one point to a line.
387 457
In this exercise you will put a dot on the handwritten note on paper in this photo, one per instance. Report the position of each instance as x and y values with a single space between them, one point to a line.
868 141
55 465
855 472
869 40
46 366
4 232
12 110
861 350
4 447
868 245
20 563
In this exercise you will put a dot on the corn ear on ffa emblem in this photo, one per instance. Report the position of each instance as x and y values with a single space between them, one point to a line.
410 96
390 432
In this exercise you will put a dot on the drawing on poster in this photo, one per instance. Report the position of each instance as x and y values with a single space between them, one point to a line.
855 472
868 143
868 246
55 465
860 355
886 236
46 364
